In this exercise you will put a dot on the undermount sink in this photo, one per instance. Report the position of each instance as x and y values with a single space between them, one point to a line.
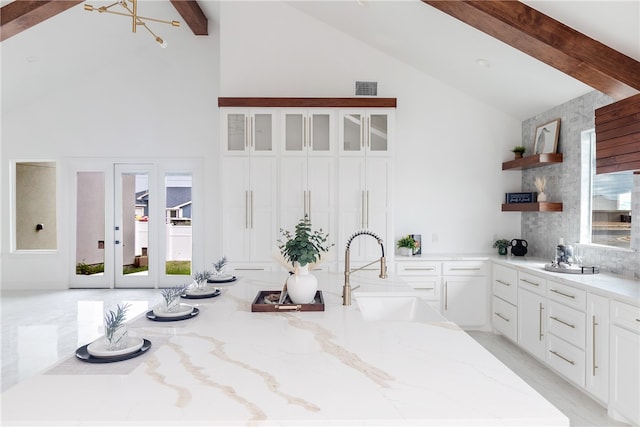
395 306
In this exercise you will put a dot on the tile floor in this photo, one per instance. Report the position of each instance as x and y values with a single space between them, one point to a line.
40 328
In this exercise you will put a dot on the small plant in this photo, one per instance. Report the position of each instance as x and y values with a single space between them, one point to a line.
306 246
407 242
171 294
201 276
519 149
218 266
113 321
502 243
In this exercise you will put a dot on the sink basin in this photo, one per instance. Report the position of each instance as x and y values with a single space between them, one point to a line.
395 307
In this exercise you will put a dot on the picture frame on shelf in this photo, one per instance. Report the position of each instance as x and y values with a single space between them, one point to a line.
546 137
418 239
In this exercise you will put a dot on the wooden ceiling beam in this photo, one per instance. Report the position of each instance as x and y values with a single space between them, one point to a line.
551 42
192 15
18 16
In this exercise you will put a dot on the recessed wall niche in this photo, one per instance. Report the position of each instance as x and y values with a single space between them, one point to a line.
35 206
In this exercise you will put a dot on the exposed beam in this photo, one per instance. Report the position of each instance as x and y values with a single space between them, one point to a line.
551 42
18 16
192 15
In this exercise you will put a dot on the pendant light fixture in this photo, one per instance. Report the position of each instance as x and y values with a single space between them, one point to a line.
131 8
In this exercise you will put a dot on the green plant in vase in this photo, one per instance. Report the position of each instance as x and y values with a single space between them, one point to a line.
115 330
408 244
519 150
502 245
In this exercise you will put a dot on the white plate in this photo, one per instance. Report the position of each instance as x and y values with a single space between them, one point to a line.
98 348
205 291
183 310
221 278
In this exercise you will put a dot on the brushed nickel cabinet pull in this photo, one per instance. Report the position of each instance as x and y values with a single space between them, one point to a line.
246 209
304 132
309 204
446 296
502 317
562 357
251 214
529 282
419 269
540 334
562 321
594 366
464 269
563 294
503 283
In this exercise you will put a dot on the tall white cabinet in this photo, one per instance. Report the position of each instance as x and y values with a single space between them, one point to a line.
284 158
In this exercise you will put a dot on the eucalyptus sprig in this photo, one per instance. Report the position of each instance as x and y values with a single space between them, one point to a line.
114 319
170 294
218 266
201 276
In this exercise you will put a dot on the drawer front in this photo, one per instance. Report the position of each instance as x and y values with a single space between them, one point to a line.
566 359
427 288
418 268
505 318
625 315
464 268
505 284
532 283
567 295
566 323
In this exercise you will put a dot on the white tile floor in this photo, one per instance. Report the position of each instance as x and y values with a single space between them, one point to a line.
41 328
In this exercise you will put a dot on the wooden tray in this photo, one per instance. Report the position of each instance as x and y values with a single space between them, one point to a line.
259 305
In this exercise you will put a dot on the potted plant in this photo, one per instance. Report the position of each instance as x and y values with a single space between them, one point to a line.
301 249
115 330
502 245
406 245
171 297
200 278
519 150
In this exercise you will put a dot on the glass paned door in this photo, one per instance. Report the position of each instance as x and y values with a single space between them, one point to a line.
178 223
134 223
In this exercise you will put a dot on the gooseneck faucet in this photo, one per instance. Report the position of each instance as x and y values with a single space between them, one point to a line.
346 290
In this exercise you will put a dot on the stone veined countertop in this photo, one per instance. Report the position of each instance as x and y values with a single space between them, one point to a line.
230 366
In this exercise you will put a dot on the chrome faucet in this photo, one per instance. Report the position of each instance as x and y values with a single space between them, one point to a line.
346 290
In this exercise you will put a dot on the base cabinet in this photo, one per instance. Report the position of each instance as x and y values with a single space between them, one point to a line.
531 323
465 294
597 349
624 389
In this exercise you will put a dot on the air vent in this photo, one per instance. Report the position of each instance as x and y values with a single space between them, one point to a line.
367 88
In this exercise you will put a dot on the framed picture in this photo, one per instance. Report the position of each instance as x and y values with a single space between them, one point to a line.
546 139
418 239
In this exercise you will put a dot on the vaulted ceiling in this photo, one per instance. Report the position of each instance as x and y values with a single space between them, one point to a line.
434 39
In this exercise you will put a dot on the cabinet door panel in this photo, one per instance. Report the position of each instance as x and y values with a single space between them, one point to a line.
531 324
262 130
263 208
235 208
625 371
293 188
320 132
597 351
465 301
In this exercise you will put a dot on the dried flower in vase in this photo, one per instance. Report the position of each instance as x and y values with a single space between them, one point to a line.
541 183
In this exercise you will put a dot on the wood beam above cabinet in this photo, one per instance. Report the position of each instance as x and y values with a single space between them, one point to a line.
308 102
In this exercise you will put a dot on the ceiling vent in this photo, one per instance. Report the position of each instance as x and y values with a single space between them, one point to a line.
367 88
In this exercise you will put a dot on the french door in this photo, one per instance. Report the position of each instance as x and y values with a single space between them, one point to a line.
132 223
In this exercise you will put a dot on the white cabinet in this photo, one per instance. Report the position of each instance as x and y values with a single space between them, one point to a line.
505 283
465 293
597 349
505 298
249 228
624 391
247 131
531 323
366 131
308 131
424 277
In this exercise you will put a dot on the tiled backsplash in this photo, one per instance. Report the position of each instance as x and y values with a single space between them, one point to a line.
542 230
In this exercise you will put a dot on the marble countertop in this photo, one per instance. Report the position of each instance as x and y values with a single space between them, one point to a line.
231 366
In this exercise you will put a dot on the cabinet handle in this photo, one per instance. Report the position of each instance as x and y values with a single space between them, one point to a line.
246 209
529 282
502 317
464 269
251 214
503 283
562 357
304 132
594 366
424 289
309 204
563 294
562 321
540 334
446 296
367 224
362 206
419 269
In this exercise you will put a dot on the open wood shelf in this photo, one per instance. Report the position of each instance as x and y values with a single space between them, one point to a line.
533 161
532 207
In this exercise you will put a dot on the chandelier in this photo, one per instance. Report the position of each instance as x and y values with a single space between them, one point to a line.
131 8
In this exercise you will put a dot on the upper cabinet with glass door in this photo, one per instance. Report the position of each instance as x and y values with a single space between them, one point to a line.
308 132
366 131
247 131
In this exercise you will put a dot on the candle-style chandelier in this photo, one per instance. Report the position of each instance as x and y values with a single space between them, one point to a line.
131 8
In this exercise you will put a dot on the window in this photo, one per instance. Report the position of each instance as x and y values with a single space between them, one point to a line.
611 205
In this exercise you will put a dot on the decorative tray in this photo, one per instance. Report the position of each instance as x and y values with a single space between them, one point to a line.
83 354
208 293
267 301
151 316
573 270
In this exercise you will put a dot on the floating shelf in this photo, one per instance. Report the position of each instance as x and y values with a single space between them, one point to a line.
533 161
532 207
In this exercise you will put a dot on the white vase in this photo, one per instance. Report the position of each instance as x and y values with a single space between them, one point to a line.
542 197
302 285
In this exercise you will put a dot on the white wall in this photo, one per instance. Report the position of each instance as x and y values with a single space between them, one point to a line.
449 147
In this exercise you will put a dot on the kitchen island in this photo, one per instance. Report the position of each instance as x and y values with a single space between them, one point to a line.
232 366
